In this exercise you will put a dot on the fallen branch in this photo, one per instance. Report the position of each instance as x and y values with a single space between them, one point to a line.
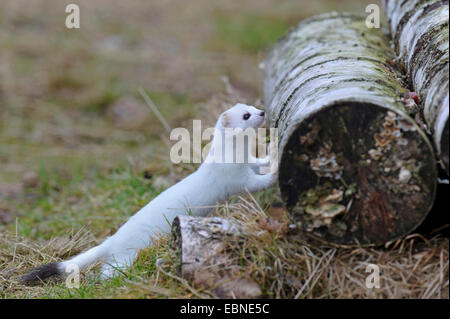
204 259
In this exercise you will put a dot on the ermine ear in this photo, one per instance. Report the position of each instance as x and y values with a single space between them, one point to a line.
225 121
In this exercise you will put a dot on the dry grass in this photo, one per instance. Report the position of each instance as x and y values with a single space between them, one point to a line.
284 261
289 263
19 254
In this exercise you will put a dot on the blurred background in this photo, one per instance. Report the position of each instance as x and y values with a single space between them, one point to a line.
78 145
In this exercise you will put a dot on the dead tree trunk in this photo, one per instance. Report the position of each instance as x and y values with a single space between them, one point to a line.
354 167
205 260
420 33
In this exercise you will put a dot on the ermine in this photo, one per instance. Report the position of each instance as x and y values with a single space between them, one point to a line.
212 183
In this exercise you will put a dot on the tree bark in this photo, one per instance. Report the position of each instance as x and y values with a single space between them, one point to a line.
420 33
354 167
205 260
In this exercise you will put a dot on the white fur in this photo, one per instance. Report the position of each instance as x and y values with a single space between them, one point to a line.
213 182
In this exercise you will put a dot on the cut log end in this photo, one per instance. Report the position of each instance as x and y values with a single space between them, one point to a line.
358 173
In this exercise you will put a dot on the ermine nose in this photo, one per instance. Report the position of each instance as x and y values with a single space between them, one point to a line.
262 113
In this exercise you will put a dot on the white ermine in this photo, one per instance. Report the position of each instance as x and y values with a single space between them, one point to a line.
213 182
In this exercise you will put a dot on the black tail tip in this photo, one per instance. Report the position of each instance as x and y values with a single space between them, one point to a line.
41 273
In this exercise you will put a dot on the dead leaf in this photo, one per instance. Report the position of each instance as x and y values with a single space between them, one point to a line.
10 190
128 113
5 217
273 225
277 211
30 179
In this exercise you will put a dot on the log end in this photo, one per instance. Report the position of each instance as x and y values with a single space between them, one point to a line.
358 173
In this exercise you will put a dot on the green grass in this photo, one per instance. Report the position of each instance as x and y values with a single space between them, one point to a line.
247 32
89 198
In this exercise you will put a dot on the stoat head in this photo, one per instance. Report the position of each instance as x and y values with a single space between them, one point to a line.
242 116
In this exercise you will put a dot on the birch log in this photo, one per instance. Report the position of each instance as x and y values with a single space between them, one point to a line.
354 167
420 33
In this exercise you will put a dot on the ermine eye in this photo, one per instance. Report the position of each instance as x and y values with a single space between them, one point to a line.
246 116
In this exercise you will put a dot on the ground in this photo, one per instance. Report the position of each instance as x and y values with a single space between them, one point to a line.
80 151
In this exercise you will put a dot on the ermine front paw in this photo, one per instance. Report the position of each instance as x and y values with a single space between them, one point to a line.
263 161
273 178
260 182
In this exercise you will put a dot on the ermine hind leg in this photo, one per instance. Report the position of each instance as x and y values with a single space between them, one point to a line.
117 264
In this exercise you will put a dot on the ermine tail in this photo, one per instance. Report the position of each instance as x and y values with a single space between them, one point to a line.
82 260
